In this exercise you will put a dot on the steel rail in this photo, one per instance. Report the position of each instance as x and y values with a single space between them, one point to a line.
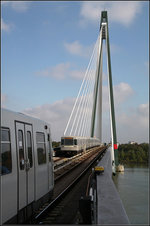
64 162
41 215
76 162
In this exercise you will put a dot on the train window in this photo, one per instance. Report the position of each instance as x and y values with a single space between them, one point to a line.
62 141
41 150
75 142
29 148
6 152
21 149
49 147
69 141
5 135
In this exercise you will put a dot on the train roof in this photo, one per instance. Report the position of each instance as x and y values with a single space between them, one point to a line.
72 137
20 116
78 137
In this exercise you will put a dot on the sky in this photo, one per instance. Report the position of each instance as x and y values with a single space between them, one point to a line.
45 50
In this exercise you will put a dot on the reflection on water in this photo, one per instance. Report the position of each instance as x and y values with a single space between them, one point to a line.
133 187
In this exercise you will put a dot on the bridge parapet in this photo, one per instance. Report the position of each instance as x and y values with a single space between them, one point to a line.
110 209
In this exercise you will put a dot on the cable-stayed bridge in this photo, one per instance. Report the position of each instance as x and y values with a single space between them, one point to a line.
86 121
102 205
86 116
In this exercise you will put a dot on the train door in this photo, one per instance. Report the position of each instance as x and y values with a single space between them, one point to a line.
25 164
30 165
50 154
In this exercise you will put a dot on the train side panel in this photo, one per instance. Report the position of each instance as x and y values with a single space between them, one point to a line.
41 163
27 175
79 144
9 178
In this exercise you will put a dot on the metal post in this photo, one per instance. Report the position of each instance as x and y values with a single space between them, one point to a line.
104 35
114 137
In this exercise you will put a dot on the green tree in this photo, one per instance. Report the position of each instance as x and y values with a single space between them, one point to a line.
133 152
55 144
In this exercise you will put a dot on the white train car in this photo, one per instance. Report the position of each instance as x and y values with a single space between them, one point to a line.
27 179
72 145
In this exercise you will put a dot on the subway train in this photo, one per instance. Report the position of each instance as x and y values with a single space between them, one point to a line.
73 145
27 179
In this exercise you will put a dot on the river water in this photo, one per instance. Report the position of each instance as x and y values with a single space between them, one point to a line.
133 187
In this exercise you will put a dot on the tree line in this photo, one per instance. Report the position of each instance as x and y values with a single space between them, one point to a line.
136 153
55 144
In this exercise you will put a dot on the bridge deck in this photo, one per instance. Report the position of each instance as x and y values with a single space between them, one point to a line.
110 208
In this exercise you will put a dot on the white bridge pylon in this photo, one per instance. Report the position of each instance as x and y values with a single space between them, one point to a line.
86 115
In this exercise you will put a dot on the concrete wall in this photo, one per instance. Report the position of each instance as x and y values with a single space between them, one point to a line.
110 209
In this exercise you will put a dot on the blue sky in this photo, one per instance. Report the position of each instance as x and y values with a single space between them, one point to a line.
46 47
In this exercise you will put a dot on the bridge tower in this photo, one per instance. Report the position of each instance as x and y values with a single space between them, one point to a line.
97 104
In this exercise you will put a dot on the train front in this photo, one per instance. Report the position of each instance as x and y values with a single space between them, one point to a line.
70 146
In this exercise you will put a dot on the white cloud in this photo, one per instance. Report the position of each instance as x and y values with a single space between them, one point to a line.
143 109
61 71
18 6
6 26
122 92
57 114
130 126
77 74
123 12
76 48
134 125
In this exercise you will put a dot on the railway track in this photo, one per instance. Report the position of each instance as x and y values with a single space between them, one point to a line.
65 183
65 166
